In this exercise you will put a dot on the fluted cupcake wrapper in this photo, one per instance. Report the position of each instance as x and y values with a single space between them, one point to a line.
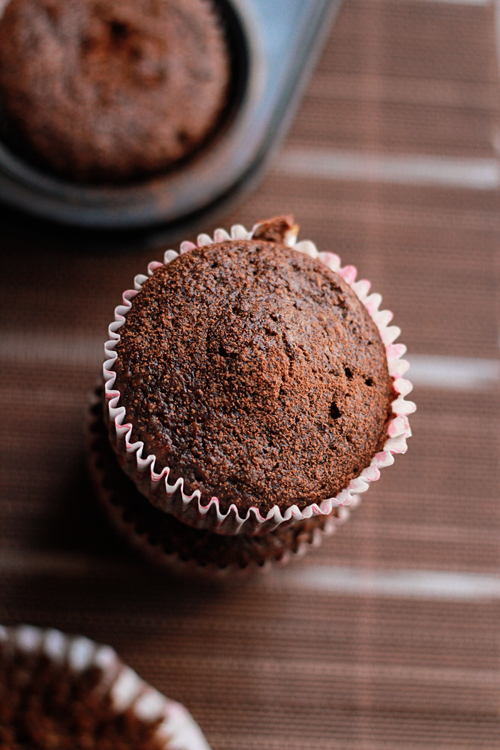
175 546
175 564
192 509
126 690
192 569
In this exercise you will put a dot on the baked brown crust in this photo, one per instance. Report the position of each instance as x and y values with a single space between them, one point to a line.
255 373
106 90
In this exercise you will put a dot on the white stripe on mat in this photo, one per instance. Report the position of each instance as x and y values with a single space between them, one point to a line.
458 2
29 348
330 164
458 373
421 584
65 564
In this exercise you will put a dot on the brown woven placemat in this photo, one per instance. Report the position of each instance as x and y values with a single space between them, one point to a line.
387 637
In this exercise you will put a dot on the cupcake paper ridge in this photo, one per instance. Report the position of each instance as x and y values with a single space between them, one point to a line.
132 529
191 509
126 689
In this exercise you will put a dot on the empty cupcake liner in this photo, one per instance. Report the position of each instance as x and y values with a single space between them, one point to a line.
141 528
191 509
127 691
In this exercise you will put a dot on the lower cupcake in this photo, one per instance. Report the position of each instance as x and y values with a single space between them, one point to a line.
166 541
61 692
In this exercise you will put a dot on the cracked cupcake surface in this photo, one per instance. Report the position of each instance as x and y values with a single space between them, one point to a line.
254 373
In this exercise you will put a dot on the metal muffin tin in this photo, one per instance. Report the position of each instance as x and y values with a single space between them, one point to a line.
274 45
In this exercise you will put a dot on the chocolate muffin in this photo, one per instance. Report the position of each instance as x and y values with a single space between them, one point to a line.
111 90
254 373
58 706
71 694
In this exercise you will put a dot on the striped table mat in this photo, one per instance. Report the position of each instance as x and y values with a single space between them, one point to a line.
388 636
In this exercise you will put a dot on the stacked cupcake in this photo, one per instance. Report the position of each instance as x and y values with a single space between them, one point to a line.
252 390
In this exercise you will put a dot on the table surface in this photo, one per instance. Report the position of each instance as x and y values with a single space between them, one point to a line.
387 637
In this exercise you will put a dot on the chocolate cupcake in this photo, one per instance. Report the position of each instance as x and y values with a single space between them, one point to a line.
172 544
111 90
251 383
70 693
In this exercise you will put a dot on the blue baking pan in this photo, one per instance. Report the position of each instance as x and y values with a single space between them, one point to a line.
274 46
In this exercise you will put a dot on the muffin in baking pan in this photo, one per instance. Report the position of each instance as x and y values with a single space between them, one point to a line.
109 91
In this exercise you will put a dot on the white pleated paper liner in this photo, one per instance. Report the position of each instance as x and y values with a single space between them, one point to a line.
176 730
206 513
179 548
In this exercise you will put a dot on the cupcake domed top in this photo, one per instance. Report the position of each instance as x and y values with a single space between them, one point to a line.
105 90
254 373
